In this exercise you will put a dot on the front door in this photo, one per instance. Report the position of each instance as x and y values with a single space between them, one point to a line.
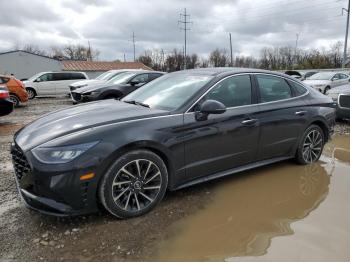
45 85
224 141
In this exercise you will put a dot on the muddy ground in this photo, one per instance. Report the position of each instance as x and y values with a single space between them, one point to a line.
29 236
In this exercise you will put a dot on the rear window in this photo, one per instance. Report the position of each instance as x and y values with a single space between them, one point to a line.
77 76
297 88
273 88
61 76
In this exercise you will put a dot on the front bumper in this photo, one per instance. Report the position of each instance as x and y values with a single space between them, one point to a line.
58 193
80 98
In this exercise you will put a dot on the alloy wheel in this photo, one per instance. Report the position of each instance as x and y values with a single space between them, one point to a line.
14 100
30 93
136 185
312 147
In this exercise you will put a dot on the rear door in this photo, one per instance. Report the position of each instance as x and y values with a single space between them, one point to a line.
344 79
223 141
282 116
62 81
140 79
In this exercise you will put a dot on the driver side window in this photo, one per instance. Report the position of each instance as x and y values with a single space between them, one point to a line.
232 92
143 78
45 77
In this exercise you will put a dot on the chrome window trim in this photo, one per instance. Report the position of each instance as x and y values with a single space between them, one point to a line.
255 73
341 94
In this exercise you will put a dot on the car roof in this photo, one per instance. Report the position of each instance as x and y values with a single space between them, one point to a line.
223 71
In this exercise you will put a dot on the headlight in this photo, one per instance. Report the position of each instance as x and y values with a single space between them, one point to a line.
80 86
91 93
60 155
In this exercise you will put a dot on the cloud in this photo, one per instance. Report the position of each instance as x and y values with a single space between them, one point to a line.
108 24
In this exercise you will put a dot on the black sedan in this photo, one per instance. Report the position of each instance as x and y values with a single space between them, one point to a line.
6 105
116 88
184 128
341 96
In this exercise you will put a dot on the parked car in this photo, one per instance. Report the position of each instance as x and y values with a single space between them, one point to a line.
181 129
341 95
18 93
6 105
101 79
52 83
301 75
324 81
118 87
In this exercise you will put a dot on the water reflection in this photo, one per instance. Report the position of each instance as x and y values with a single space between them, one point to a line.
248 210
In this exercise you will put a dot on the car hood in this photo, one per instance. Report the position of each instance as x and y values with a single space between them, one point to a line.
316 82
78 118
96 87
88 82
340 89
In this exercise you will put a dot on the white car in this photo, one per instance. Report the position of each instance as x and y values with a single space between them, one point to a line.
52 83
101 79
324 81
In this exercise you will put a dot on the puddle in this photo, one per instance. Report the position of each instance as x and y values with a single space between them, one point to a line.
250 212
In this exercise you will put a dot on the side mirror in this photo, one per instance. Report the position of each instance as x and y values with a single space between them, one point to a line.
335 79
37 80
134 83
210 107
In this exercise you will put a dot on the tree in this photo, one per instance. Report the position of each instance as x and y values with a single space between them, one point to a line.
219 58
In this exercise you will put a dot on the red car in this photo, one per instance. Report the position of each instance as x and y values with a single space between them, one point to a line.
6 105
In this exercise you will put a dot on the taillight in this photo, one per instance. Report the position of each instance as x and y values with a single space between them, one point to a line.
20 83
4 94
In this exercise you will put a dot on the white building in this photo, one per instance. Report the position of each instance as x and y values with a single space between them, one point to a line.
23 64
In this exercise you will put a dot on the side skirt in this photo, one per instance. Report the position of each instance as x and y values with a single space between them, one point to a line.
232 171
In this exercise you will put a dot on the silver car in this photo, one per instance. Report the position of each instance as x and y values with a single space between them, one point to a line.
324 81
341 96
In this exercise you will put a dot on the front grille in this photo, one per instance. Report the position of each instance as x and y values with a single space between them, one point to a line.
76 96
344 101
20 162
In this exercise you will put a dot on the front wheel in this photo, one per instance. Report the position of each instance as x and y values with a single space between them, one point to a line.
327 88
31 93
15 100
310 146
134 184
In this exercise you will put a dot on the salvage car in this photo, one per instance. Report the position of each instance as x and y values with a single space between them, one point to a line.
118 87
52 83
181 129
341 95
324 81
18 93
101 79
6 105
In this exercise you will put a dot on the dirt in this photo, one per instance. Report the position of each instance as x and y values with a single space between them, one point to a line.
211 221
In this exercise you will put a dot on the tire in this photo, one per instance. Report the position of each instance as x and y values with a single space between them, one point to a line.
15 100
326 89
310 146
125 193
31 93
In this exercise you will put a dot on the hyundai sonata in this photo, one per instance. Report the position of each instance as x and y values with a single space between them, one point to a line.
181 129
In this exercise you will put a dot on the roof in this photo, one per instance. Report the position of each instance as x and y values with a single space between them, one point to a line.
74 65
218 71
23 51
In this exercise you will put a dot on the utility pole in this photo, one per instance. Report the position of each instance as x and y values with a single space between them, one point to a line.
133 43
124 58
346 35
184 20
296 49
89 55
231 50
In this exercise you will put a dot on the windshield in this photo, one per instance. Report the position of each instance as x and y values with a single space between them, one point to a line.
169 92
121 78
105 76
322 76
34 77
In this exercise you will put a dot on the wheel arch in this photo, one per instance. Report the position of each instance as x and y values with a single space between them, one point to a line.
323 125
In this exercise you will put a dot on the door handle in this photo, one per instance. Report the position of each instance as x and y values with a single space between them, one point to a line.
300 113
249 122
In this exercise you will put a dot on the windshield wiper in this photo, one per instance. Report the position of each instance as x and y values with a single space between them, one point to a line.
136 103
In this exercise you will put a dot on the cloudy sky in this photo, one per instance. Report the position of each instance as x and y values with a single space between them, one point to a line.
108 24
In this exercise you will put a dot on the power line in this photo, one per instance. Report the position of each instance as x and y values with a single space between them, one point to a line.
184 21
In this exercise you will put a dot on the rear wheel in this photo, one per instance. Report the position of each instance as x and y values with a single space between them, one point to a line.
134 184
31 93
15 100
310 146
